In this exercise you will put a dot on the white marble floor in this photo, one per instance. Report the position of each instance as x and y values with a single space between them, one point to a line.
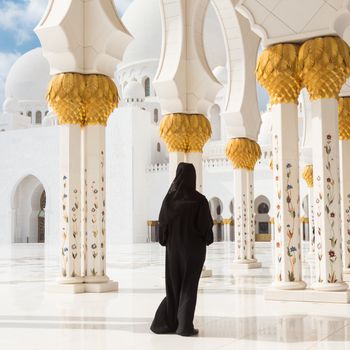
231 312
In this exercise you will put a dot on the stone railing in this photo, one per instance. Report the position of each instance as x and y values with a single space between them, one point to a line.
214 149
217 163
157 168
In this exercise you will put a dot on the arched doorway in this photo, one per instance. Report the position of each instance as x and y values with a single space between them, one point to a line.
28 211
262 219
216 208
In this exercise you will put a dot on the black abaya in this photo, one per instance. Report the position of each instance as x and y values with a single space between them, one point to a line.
185 226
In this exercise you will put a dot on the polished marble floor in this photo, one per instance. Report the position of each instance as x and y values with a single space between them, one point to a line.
231 312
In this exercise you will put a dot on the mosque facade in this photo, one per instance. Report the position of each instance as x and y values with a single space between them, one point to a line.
137 160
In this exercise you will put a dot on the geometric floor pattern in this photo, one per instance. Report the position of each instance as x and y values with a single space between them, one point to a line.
231 312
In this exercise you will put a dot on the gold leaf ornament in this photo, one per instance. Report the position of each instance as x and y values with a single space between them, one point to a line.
344 118
308 174
82 99
185 132
243 153
323 66
277 72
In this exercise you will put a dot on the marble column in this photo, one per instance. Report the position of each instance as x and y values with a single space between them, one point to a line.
308 177
244 154
95 208
280 78
185 135
196 158
175 158
70 206
344 143
83 104
324 65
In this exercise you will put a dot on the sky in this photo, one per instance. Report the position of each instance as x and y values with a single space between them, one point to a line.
17 21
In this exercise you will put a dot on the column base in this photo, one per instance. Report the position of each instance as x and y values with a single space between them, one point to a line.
330 287
246 264
96 279
206 273
307 295
95 284
346 275
296 285
103 287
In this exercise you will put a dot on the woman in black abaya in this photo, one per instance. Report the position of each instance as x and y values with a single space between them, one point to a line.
185 228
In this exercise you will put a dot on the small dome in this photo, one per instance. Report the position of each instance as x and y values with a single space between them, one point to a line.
220 73
265 135
28 78
10 105
134 90
143 21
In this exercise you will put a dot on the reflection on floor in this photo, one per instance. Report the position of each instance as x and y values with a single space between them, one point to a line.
231 312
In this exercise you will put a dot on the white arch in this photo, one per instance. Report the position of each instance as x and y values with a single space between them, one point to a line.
25 205
241 111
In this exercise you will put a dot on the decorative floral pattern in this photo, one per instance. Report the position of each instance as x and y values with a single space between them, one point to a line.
96 207
70 231
329 201
347 232
292 251
278 204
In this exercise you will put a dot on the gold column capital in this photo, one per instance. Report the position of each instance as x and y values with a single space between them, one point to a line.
344 118
308 175
84 99
277 72
324 65
243 153
186 133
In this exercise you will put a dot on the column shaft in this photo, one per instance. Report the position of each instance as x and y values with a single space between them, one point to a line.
327 195
70 206
286 197
345 201
196 158
94 159
311 223
175 158
244 216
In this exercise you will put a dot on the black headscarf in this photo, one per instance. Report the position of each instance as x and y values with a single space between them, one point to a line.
181 194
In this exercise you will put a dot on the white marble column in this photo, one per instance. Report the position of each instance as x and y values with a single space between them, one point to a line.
344 150
244 220
345 204
196 158
284 85
286 197
328 255
175 158
308 177
95 209
70 205
311 253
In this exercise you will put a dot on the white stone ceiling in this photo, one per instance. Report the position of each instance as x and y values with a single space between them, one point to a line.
290 20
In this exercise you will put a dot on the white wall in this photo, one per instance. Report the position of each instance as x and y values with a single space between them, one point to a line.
29 152
128 154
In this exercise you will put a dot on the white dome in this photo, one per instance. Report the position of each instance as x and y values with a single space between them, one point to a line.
143 20
28 78
10 105
134 90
